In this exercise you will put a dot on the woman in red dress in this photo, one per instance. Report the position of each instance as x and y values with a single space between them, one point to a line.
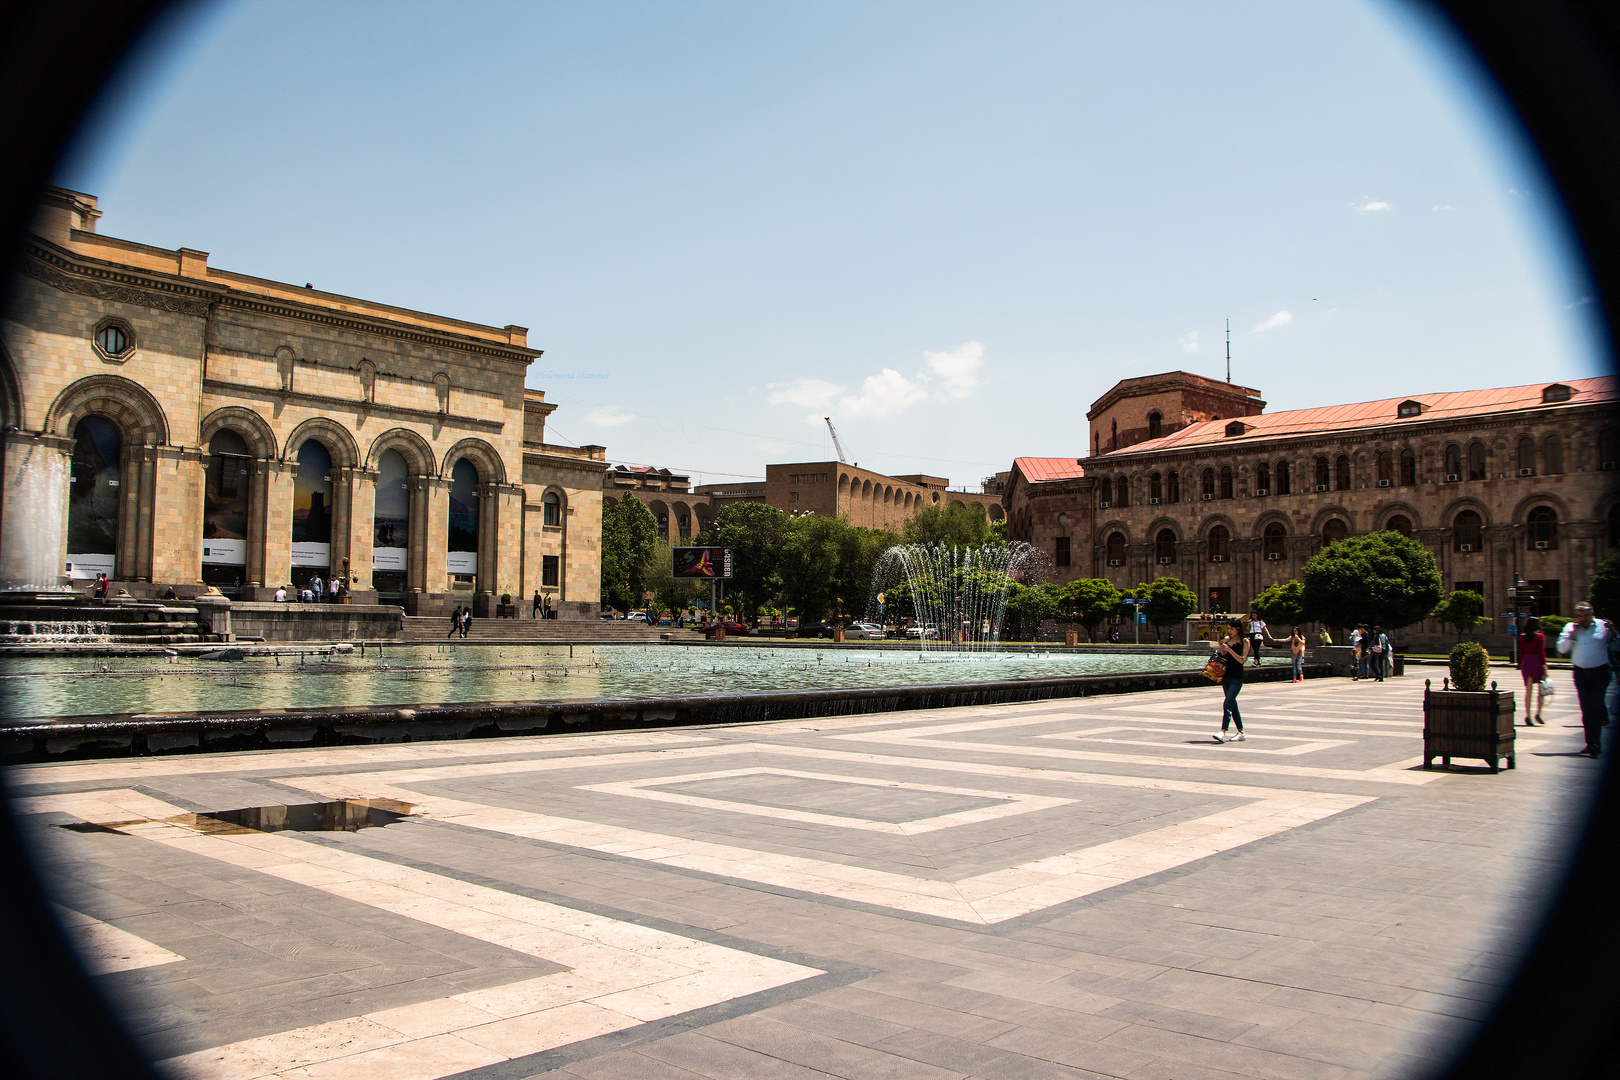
1533 667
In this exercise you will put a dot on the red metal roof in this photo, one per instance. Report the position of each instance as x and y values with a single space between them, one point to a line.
1460 404
1038 470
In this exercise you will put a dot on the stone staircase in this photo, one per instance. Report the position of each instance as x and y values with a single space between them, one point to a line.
426 630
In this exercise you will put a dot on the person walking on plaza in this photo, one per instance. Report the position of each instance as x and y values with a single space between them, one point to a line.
1380 653
535 614
1586 642
1234 650
1296 652
550 614
1257 634
466 621
455 622
317 589
1533 669
1358 654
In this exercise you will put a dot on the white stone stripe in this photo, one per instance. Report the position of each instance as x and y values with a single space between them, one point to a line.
105 949
1300 746
620 974
1014 803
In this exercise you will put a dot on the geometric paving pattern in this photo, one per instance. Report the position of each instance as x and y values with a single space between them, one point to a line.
1073 888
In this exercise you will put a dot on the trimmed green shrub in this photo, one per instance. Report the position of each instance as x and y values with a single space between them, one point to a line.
1552 626
1470 666
506 598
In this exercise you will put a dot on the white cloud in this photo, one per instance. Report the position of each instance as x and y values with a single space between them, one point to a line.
1282 318
883 395
1517 193
1371 206
1189 341
608 416
771 446
959 368
807 393
1443 206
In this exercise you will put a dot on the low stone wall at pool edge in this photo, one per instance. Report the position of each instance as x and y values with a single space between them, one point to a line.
155 733
310 622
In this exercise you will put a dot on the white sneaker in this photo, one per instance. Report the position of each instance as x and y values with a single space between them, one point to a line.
1220 736
1239 737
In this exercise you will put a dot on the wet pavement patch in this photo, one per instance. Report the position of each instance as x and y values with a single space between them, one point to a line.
338 815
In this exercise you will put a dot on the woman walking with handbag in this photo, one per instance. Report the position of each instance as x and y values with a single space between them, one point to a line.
1533 668
1234 650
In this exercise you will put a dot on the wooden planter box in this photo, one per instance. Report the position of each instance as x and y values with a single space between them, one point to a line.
1467 724
506 611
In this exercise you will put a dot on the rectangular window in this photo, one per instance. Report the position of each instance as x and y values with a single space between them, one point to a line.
1548 598
793 497
548 570
1220 600
1061 556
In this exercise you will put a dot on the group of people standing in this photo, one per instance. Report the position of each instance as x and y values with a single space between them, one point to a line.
1372 651
316 591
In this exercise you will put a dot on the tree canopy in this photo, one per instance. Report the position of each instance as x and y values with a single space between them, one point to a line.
1282 605
754 533
1092 601
961 524
1168 601
629 539
1383 579
1463 610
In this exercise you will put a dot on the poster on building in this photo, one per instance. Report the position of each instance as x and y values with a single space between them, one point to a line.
388 559
702 563
218 551
85 567
461 562
311 554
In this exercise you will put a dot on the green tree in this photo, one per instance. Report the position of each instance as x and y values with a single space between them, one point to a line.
1604 594
753 531
1030 605
1093 601
961 524
823 560
629 536
1463 610
1169 602
1282 605
1383 579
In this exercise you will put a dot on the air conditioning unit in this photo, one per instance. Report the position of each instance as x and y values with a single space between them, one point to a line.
1103 505
1321 487
1383 483
1217 558
1261 493
1116 562
1608 464
1153 502
1208 497
1453 478
1165 562
1541 545
1465 547
1273 556
1527 472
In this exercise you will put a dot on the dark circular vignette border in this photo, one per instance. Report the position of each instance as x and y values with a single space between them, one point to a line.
1557 63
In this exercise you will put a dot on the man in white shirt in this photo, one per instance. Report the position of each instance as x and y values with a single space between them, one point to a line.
281 596
1586 642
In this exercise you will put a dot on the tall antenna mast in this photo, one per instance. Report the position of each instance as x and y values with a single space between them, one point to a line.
1228 350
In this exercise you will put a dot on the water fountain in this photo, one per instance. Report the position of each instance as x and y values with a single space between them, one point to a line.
959 591
36 516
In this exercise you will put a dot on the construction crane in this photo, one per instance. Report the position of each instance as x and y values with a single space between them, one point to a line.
836 444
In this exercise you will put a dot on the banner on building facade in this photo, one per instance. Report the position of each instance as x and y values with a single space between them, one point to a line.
461 562
88 566
307 554
388 558
222 552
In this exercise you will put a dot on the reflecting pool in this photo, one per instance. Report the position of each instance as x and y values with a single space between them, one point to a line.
53 686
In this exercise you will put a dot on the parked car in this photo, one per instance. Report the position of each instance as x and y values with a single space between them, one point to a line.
920 632
637 616
814 630
733 627
607 616
863 630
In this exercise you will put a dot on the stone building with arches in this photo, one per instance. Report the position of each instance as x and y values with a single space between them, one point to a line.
175 424
860 496
1515 483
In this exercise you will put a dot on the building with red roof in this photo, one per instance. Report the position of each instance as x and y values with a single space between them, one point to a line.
1191 478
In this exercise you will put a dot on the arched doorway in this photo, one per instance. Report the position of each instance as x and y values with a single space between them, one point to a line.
227 495
391 528
461 551
94 498
312 514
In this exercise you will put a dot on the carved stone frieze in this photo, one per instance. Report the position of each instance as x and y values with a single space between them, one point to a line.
110 291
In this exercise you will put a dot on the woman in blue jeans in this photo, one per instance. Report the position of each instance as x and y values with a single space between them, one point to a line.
1234 649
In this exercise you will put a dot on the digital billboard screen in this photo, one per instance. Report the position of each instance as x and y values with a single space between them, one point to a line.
703 563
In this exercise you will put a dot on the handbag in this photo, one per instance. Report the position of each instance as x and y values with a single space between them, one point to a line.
1546 688
1215 670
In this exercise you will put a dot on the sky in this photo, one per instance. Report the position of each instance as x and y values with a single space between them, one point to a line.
949 227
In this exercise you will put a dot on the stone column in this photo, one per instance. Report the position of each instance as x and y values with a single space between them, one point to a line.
278 508
177 515
361 533
416 555
436 534
342 504
253 571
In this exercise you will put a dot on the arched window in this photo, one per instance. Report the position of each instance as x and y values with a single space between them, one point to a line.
1220 544
1453 463
1283 479
1155 488
1341 473
1105 492
1173 495
391 527
1543 528
1334 531
1552 455
226 497
461 551
1527 455
1209 483
1262 478
1226 481
1408 468
1122 491
1386 468
1322 470
551 508
312 513
1400 523
93 502
1164 546
1155 425
1476 460
1273 541
1116 549
1466 530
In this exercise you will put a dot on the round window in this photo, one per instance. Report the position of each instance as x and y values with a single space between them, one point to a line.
113 339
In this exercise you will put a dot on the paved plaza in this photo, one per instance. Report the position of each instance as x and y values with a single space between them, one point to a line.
1077 888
